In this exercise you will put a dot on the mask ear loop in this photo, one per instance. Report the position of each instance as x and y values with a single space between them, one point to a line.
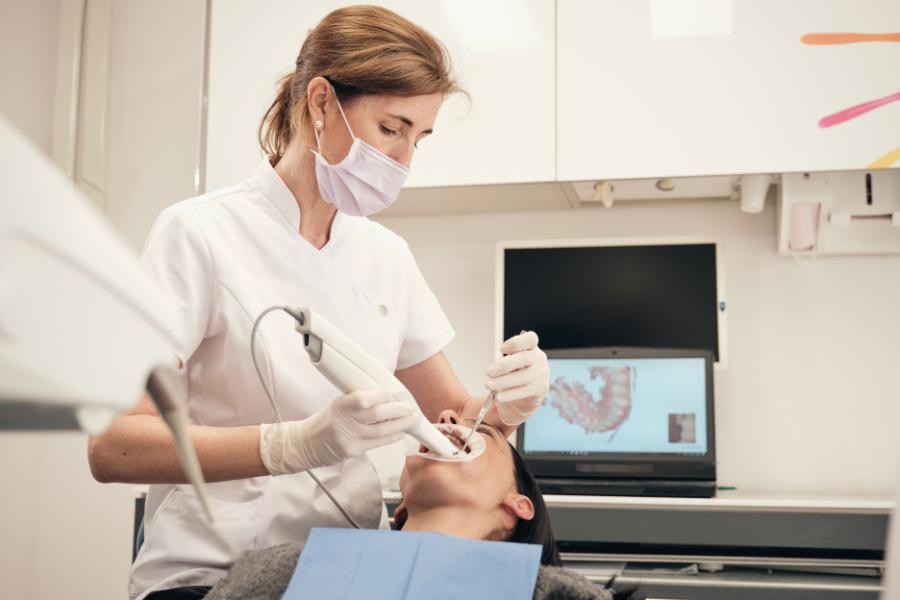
341 108
318 149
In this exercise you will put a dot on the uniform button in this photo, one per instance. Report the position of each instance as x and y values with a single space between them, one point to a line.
382 310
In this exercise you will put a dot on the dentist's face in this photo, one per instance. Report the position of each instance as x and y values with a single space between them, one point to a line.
392 124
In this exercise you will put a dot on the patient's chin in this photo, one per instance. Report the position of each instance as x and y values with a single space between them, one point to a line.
422 476
416 464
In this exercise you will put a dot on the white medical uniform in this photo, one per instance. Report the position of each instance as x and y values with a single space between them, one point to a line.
224 257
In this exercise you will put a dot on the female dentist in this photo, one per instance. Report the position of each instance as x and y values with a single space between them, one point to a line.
339 139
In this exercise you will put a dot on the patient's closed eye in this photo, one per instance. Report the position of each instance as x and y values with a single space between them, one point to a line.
488 429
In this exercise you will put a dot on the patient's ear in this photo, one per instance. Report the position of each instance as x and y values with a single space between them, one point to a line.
520 506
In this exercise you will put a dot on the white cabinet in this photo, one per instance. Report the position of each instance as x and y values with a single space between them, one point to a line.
502 52
128 105
712 87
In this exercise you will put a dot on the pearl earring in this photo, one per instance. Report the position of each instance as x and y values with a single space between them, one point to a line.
318 124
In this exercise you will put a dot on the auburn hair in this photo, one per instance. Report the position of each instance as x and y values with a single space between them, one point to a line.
360 50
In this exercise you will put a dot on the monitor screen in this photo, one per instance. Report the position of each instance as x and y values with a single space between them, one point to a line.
608 406
651 296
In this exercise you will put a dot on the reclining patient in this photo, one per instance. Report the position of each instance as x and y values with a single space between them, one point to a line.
492 496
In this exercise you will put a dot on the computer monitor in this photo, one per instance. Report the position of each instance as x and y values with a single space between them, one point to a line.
630 292
624 413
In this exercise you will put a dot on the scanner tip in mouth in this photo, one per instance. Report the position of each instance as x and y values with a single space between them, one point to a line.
423 449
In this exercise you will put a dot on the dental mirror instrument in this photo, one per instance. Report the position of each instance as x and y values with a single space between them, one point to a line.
488 402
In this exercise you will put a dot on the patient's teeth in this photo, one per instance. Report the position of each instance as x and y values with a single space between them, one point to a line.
457 436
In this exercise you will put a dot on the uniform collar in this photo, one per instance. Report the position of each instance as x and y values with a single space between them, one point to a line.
279 194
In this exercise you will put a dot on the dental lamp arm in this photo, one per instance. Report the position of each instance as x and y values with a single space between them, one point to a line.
72 293
166 389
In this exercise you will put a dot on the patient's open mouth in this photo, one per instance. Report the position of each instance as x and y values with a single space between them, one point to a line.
458 435
455 438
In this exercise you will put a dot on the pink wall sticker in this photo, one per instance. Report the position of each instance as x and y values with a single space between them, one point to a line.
855 111
848 114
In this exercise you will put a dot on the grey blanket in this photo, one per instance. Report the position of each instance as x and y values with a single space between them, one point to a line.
265 574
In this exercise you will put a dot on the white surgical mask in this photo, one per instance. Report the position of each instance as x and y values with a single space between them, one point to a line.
365 182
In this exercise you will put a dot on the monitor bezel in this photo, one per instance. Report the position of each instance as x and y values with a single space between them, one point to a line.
721 361
642 465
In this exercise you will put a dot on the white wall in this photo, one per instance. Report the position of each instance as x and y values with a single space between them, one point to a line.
61 533
810 402
28 66
145 101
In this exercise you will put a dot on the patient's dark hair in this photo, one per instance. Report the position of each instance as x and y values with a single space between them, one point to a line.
538 530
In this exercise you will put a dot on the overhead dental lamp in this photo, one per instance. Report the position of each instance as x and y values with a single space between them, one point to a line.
83 329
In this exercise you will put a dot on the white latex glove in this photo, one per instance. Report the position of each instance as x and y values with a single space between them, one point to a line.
520 379
350 426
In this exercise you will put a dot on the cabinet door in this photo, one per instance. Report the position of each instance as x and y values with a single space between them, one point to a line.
502 54
138 118
666 88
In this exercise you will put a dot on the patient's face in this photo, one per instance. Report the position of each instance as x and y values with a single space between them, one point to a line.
480 483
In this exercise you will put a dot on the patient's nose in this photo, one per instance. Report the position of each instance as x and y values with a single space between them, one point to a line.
449 416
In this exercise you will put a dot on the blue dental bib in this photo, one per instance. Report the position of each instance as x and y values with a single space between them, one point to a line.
348 564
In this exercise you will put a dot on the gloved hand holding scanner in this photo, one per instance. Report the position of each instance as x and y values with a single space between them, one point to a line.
375 411
350 426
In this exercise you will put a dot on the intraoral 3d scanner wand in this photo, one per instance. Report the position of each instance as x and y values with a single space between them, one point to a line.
345 364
